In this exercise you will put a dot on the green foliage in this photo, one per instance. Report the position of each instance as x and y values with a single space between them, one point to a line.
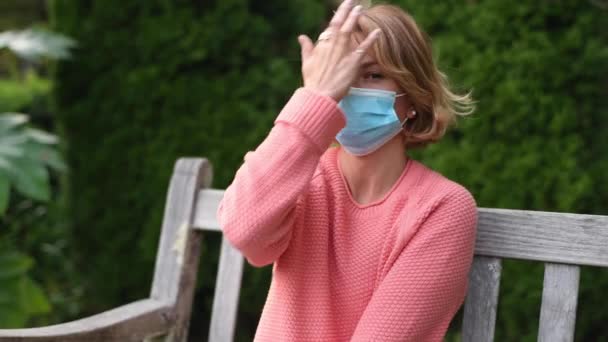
539 136
26 154
157 80
150 82
20 297
37 231
35 43
16 95
537 72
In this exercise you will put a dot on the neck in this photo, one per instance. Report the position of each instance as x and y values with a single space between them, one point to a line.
369 177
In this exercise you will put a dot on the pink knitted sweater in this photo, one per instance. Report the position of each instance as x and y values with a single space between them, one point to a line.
392 270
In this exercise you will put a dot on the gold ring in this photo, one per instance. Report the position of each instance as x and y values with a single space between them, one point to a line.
325 35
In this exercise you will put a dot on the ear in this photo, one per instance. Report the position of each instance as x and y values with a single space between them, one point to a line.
411 113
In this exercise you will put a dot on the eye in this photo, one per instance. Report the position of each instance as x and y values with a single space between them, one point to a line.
373 75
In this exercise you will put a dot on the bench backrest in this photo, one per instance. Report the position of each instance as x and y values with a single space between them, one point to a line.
562 241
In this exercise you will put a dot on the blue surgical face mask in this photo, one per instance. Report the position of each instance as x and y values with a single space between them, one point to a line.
371 120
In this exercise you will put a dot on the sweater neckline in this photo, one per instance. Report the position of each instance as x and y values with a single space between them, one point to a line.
379 201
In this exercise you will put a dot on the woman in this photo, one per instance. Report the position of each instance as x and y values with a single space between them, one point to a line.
366 243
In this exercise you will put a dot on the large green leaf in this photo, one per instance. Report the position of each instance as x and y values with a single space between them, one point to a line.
46 154
7 167
33 300
9 121
32 179
13 264
40 136
36 43
25 152
20 297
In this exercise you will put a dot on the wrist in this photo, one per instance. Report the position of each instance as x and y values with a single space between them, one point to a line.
328 94
315 114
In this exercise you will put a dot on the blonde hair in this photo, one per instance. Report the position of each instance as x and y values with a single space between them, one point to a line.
404 53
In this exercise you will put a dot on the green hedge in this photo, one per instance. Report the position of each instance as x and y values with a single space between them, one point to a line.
156 80
539 137
153 81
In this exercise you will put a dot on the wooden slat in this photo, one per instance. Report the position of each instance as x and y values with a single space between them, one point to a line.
226 299
132 322
543 236
481 302
179 248
558 308
521 234
228 284
206 209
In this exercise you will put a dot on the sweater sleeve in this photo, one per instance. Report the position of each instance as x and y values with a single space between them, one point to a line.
427 284
257 212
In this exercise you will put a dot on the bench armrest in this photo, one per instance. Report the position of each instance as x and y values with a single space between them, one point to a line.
131 322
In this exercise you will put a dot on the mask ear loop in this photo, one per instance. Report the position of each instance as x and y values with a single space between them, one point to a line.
406 118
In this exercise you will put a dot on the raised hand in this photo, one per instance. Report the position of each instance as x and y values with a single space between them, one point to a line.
331 66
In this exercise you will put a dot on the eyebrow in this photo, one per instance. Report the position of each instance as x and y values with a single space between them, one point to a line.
367 64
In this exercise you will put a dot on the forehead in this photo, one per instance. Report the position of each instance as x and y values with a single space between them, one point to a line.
368 59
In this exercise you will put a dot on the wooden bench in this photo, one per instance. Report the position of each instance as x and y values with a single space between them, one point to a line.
562 241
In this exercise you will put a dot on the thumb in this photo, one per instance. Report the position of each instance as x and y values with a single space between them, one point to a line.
306 46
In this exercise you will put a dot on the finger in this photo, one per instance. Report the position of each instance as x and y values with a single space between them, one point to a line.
366 44
341 14
349 24
306 46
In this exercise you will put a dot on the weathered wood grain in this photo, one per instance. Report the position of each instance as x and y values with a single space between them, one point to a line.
206 209
558 307
521 234
131 322
226 298
481 303
543 236
179 248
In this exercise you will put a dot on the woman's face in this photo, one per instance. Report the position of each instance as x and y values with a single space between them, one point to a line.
372 76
